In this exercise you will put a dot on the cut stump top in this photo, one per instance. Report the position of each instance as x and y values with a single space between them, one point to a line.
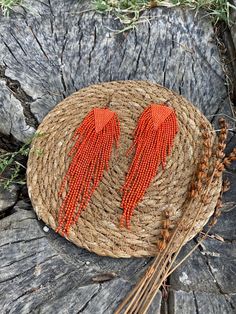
47 53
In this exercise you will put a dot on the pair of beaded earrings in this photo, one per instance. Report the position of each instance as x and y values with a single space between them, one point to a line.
90 155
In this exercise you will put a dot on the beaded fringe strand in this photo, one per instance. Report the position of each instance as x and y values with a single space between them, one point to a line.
94 140
154 136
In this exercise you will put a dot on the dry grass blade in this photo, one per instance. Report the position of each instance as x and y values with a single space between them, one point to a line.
225 187
215 174
157 282
141 297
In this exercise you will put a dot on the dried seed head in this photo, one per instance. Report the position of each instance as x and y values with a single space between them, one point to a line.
218 162
222 135
232 155
205 160
201 175
221 146
202 166
219 203
221 122
206 200
192 190
161 245
217 175
167 213
199 185
207 144
217 213
193 194
220 154
220 167
213 221
227 162
208 154
222 139
206 135
165 234
225 185
166 224
234 151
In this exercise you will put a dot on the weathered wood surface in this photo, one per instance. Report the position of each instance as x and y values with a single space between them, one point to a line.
56 50
46 54
233 19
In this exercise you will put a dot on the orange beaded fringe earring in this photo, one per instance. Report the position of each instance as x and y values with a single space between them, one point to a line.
94 140
154 136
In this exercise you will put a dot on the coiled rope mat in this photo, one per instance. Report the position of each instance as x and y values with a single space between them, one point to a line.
98 226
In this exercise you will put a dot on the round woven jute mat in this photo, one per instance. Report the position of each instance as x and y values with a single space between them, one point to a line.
98 228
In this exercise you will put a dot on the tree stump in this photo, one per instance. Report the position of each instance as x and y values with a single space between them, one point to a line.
52 49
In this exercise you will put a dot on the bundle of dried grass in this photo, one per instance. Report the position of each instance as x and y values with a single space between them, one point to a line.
141 297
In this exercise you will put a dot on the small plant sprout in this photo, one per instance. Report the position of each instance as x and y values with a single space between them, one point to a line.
8 5
10 161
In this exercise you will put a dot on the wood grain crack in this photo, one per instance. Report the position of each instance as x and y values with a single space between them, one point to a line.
18 92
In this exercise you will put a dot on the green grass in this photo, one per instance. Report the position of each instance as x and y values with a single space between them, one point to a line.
12 170
8 5
9 162
219 10
128 11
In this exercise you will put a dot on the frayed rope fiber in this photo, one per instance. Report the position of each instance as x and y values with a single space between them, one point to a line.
153 141
94 140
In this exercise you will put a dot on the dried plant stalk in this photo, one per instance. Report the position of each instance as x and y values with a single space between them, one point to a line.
225 187
140 298
162 259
